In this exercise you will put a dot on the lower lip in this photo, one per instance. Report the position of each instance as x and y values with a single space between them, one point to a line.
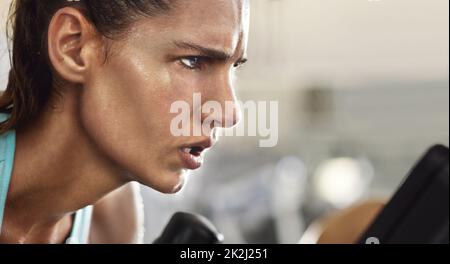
190 162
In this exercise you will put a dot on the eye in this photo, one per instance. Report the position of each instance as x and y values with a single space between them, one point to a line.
240 63
193 62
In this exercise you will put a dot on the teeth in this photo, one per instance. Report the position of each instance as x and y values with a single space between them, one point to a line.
197 159
187 150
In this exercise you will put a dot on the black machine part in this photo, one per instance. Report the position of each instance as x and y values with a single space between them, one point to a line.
186 228
418 213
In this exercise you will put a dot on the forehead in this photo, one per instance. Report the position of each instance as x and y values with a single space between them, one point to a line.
219 23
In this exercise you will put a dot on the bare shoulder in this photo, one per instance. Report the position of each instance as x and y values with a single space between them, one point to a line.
119 217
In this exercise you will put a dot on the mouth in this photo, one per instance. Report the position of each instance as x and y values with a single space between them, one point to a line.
192 155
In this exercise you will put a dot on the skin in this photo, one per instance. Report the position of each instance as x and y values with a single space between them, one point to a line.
111 124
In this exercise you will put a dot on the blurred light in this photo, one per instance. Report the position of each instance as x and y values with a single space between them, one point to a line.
341 181
289 184
288 189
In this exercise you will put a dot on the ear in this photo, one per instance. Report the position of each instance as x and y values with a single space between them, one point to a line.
71 44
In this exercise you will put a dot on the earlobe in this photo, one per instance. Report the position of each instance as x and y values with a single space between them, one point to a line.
69 34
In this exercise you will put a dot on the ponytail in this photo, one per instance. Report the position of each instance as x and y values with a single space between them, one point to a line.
30 78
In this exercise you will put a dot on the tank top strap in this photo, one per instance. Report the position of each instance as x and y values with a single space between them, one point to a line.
7 149
82 220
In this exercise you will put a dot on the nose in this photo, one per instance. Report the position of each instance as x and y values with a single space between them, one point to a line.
221 93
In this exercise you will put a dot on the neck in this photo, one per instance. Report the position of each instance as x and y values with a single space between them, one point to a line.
57 168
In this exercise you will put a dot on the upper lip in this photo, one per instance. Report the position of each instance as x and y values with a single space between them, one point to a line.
204 144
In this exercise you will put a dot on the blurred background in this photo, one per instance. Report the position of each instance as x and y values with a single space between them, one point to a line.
363 92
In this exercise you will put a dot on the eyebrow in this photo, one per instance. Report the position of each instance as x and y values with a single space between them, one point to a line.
209 52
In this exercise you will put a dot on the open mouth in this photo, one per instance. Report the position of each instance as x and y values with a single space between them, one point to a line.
192 155
194 151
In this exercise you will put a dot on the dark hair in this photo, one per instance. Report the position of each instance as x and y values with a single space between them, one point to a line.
31 82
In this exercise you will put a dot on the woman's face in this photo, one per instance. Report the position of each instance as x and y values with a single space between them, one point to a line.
126 100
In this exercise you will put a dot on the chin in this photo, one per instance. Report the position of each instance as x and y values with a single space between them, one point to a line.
168 182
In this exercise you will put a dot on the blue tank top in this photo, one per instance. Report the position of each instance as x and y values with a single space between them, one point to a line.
82 220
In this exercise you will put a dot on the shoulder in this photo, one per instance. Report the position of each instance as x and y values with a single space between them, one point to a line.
119 217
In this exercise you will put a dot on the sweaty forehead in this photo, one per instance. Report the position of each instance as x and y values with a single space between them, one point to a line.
219 23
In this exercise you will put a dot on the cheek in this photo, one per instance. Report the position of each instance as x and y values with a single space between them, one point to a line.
125 110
